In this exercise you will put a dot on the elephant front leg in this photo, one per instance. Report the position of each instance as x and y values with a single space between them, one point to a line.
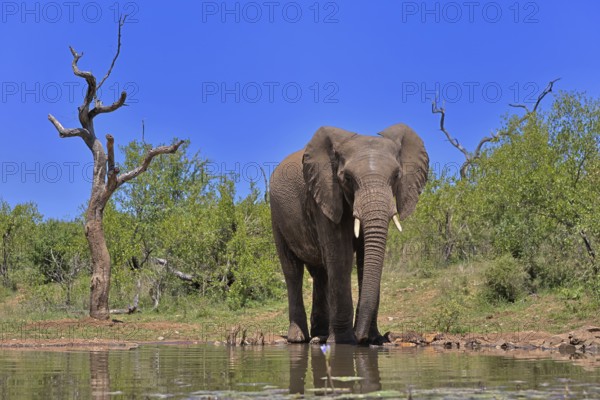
319 317
335 242
340 300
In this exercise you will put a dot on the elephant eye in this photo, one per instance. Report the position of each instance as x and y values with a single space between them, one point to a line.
347 178
395 175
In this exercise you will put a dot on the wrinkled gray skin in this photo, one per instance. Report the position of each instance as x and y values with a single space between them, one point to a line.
316 194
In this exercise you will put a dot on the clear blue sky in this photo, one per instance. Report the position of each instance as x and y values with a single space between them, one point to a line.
250 82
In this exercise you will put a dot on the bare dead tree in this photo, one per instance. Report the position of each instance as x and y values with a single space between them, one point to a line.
106 179
472 157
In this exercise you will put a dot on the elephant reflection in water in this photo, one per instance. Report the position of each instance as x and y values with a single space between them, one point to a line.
345 360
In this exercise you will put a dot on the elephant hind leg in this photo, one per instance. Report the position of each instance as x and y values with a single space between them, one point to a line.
319 317
298 329
293 271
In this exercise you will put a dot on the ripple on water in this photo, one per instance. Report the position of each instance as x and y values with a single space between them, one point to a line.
204 371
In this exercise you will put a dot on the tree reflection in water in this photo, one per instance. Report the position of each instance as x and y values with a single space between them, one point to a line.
99 375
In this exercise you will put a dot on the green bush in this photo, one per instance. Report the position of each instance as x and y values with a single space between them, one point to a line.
594 289
532 195
455 303
448 315
255 268
505 280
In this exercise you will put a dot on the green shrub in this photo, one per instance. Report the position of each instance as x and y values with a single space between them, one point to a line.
448 315
505 280
455 302
594 289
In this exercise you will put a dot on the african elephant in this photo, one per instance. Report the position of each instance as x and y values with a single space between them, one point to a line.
330 200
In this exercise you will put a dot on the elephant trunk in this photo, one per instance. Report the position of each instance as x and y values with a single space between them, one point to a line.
374 221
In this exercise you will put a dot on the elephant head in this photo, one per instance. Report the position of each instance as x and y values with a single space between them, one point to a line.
344 170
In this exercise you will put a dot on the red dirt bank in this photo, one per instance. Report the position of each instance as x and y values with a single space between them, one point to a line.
92 334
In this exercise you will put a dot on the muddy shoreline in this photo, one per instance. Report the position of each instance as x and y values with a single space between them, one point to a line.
576 343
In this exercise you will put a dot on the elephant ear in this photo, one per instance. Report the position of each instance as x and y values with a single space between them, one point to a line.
414 167
319 166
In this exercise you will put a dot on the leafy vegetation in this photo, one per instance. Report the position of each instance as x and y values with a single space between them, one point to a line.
531 204
524 220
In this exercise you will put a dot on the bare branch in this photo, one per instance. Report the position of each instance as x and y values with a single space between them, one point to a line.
442 111
588 245
112 171
483 141
129 310
110 147
471 157
266 180
541 96
528 113
147 160
523 106
180 274
72 132
99 108
132 307
85 116
121 23
86 132
91 89
143 133
547 90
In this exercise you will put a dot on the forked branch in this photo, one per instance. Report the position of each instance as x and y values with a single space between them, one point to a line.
127 176
100 109
112 64
541 96
86 116
63 132
91 87
471 157
442 111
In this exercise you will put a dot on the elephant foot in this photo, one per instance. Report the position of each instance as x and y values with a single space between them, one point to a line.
296 334
378 340
342 338
318 340
319 331
374 338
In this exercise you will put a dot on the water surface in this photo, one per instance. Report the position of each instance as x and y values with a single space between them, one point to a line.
206 371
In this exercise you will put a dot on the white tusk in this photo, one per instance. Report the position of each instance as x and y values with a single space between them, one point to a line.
356 227
397 222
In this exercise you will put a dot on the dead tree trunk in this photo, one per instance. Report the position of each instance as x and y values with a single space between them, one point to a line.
106 178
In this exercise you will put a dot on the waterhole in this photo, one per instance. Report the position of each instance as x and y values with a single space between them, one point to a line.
293 371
